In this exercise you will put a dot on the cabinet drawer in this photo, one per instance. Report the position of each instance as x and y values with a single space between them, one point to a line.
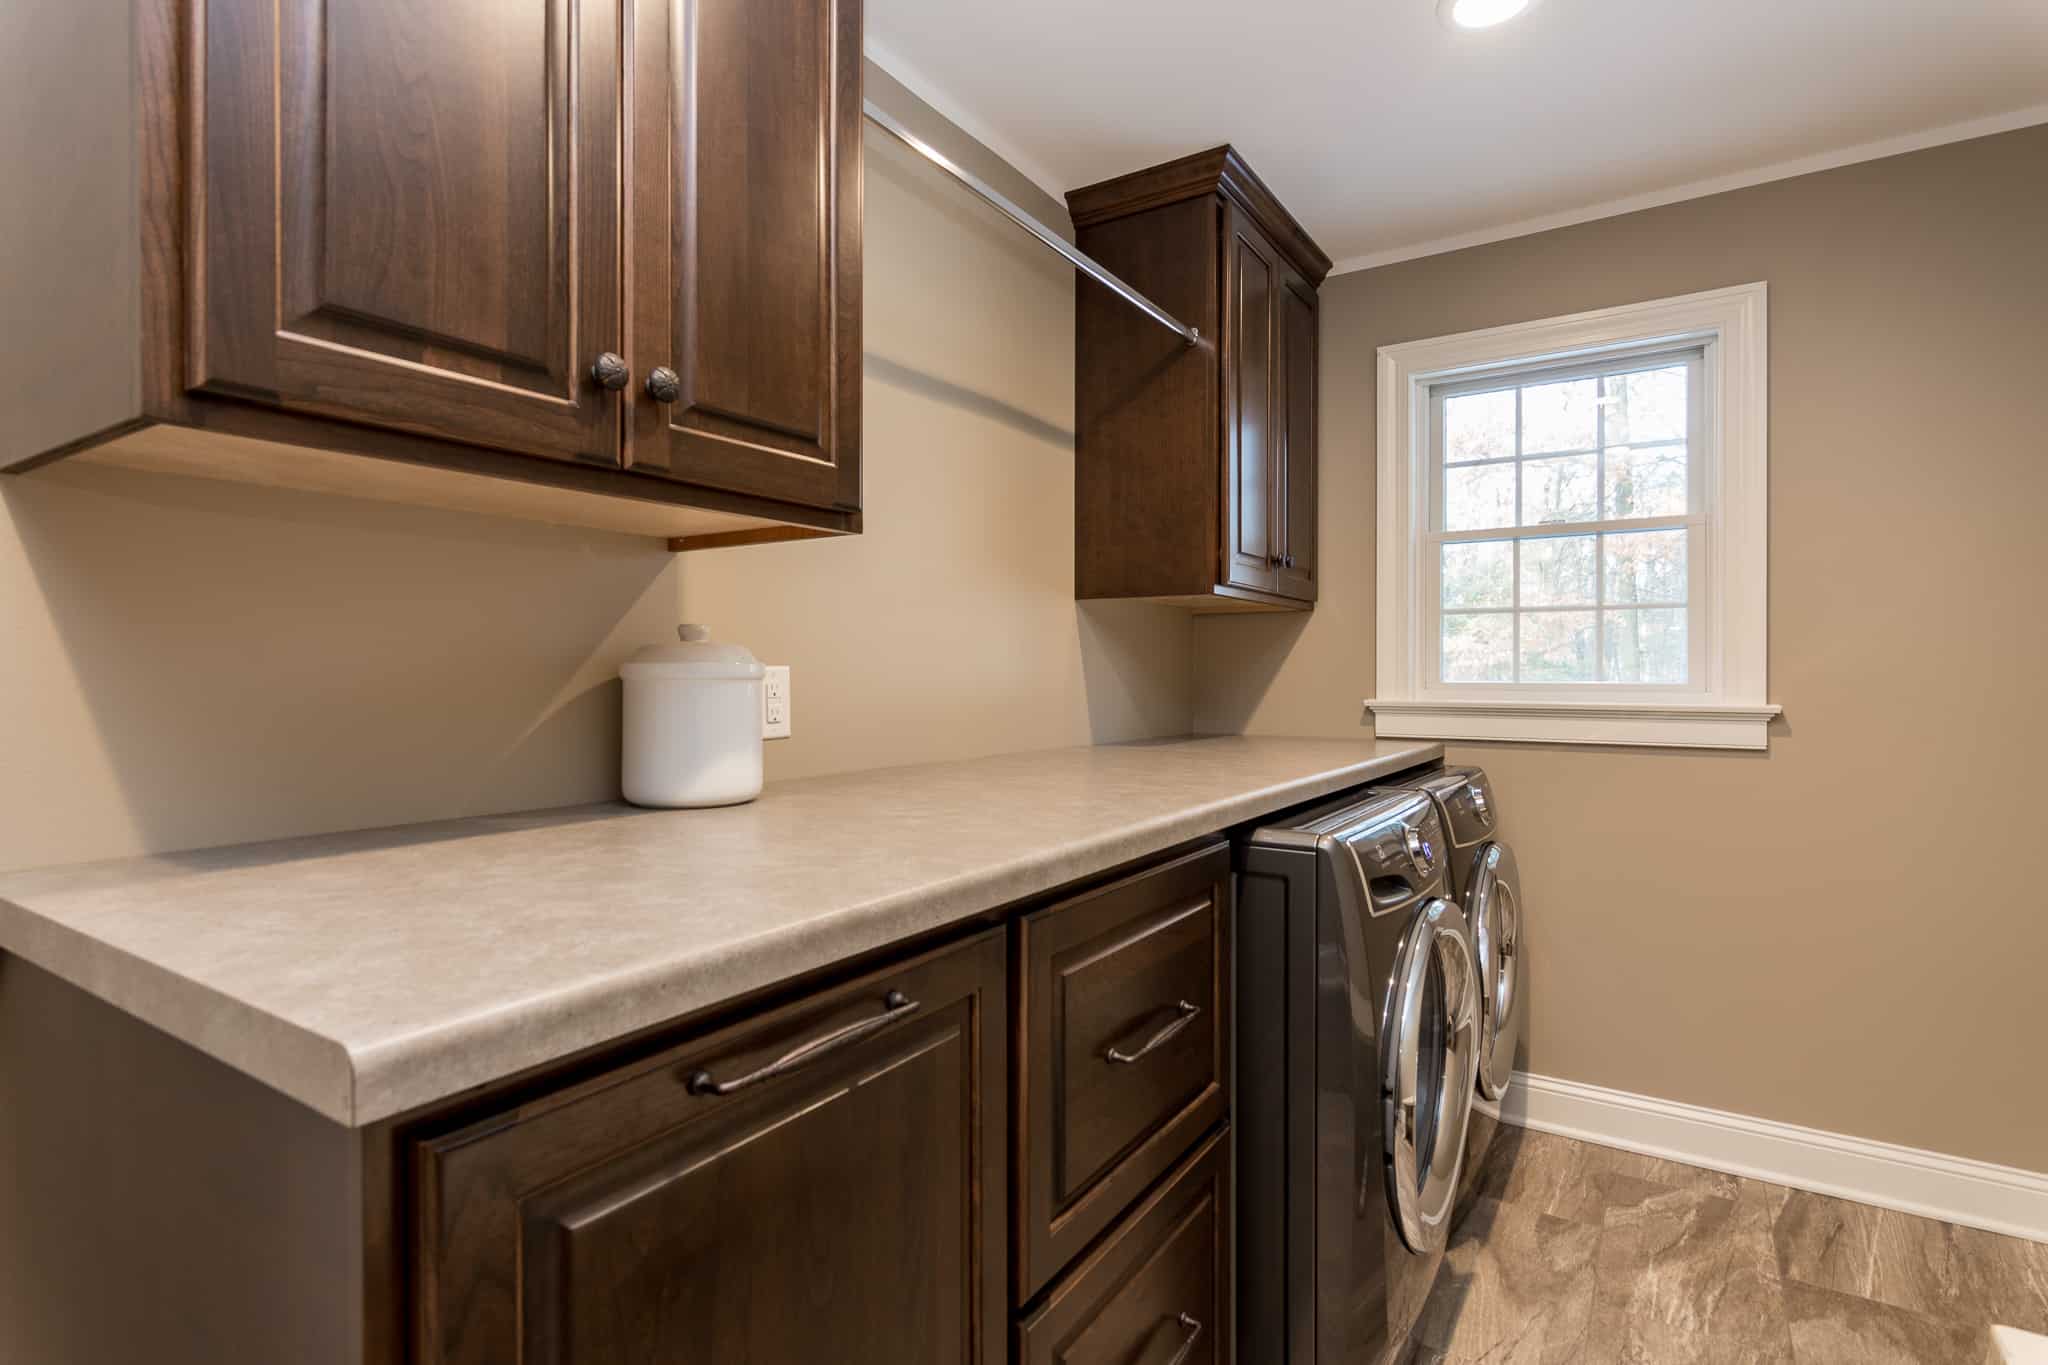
1157 1289
806 1185
1124 1031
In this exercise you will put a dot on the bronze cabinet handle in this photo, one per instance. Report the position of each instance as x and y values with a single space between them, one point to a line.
610 372
664 385
1187 1345
1185 1016
895 1006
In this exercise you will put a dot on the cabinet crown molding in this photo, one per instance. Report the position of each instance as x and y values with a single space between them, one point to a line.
1219 170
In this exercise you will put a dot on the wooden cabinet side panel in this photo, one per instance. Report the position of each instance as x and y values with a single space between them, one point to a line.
159 1205
70 349
1147 431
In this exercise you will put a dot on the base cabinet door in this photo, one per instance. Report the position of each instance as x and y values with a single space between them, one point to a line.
820 1184
1124 1029
1157 1288
744 233
407 215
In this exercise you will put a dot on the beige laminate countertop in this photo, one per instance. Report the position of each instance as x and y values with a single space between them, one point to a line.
367 974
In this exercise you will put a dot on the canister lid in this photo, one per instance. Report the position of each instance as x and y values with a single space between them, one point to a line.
694 655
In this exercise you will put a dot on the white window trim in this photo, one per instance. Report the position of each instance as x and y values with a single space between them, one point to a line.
1728 711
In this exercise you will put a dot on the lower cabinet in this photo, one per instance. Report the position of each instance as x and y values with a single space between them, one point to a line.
1157 1288
819 1184
867 1175
1124 1026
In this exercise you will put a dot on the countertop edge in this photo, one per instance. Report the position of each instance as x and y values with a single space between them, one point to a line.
869 927
360 1086
316 1072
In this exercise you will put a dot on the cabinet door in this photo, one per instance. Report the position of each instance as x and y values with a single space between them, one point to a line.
745 246
1157 1288
841 1201
1124 1019
1295 500
407 215
1252 285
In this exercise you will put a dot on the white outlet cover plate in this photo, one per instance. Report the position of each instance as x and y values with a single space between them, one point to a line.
775 702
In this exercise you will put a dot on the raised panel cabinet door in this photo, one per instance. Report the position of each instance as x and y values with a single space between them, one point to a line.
1157 1288
820 1184
745 246
1124 1022
407 215
1251 288
1296 466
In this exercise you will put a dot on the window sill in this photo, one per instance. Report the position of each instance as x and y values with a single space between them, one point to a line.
1687 726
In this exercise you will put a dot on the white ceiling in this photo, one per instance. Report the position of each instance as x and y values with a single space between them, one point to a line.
1390 135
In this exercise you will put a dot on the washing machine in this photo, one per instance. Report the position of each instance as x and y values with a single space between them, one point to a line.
1488 887
1357 1060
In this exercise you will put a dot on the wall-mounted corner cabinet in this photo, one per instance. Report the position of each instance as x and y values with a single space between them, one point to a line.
461 253
1195 466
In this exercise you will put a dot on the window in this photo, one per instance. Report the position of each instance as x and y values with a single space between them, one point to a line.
1562 523
1571 534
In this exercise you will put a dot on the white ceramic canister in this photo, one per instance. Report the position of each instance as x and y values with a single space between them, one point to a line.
692 723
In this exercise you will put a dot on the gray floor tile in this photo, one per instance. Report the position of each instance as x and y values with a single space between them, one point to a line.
1831 1328
1746 1323
1959 1273
1662 1267
1516 1285
1576 1252
1825 1242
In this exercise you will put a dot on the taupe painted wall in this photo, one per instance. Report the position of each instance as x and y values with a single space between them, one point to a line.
1850 931
188 662
950 627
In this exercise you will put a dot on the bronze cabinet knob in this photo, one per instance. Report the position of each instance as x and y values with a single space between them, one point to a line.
664 385
610 372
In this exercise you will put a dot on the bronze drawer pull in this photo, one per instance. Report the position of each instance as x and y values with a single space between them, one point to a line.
897 1006
1160 1039
1187 1345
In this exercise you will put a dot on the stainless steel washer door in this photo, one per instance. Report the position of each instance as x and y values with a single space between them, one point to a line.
1431 1057
1493 906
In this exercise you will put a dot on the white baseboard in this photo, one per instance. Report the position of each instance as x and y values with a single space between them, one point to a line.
1975 1194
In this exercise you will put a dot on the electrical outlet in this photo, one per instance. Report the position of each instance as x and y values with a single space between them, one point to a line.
775 702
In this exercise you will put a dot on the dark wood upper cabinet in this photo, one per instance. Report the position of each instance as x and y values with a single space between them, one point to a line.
745 249
704 1206
1251 368
408 216
1296 331
1195 466
437 252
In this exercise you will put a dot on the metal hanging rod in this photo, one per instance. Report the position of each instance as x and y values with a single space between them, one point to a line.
1080 260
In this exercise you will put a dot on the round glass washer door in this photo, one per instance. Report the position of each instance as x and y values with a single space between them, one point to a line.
1431 1057
1493 906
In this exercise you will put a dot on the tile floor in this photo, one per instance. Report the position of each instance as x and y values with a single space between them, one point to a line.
1569 1252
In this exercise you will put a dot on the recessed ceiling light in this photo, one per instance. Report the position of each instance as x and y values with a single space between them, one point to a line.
1479 13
